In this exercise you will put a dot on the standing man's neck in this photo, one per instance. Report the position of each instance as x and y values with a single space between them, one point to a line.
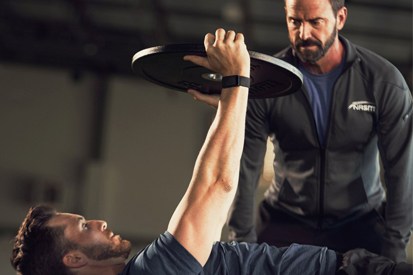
329 62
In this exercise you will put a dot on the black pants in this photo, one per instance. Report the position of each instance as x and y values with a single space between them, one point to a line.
356 244
281 229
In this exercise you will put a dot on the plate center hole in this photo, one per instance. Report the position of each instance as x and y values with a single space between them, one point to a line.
212 76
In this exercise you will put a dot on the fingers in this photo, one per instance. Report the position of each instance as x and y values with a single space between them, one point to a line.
211 100
226 52
221 36
230 36
239 37
209 40
198 60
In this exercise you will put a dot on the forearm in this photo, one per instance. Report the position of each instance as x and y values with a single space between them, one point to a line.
220 155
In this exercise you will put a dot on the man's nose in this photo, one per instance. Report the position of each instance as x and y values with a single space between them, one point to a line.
305 31
100 225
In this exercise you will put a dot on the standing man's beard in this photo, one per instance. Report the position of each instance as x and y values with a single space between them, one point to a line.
309 56
100 252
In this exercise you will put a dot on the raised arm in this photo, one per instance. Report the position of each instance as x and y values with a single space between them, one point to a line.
198 220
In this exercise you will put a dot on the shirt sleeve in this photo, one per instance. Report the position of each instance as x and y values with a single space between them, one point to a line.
395 128
164 256
241 215
258 259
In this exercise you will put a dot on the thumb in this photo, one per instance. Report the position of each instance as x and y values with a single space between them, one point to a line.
211 100
198 60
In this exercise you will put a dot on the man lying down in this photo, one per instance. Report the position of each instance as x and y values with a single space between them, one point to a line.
50 242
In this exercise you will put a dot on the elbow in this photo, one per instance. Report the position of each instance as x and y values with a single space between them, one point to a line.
225 184
227 179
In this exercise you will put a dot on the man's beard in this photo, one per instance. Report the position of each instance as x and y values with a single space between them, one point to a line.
100 252
310 56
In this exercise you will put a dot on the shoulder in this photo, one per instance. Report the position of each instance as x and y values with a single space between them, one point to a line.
286 55
165 255
376 69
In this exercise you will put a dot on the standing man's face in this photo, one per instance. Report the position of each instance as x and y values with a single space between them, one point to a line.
92 237
312 28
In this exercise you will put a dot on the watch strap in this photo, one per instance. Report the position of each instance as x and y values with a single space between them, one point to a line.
235 80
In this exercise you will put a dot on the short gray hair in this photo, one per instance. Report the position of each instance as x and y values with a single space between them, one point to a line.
336 5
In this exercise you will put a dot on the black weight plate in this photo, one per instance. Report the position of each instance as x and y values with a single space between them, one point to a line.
164 65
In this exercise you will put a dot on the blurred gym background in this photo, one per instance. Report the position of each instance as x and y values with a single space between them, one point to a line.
80 131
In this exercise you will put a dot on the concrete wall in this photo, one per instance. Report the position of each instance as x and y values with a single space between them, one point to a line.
152 138
44 139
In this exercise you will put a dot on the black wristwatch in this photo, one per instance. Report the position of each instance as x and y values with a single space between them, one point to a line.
235 80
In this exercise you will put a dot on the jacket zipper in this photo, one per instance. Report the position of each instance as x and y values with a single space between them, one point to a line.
322 162
323 150
322 183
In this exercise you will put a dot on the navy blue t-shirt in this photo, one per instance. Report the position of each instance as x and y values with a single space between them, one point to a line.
320 88
166 256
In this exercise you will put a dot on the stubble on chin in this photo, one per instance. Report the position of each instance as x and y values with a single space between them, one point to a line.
100 252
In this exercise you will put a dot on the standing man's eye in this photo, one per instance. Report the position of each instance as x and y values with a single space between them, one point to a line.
316 22
295 22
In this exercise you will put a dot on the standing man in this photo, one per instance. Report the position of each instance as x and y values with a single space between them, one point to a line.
354 107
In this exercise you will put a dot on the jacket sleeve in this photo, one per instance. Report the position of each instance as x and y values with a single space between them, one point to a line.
241 216
395 126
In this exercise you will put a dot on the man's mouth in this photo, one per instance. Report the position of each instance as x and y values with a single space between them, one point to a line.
307 44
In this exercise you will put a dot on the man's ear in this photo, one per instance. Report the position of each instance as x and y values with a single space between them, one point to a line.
74 259
341 18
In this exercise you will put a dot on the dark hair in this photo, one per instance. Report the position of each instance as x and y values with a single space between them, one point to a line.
335 4
38 248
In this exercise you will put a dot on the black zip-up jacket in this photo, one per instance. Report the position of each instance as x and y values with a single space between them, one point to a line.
370 115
